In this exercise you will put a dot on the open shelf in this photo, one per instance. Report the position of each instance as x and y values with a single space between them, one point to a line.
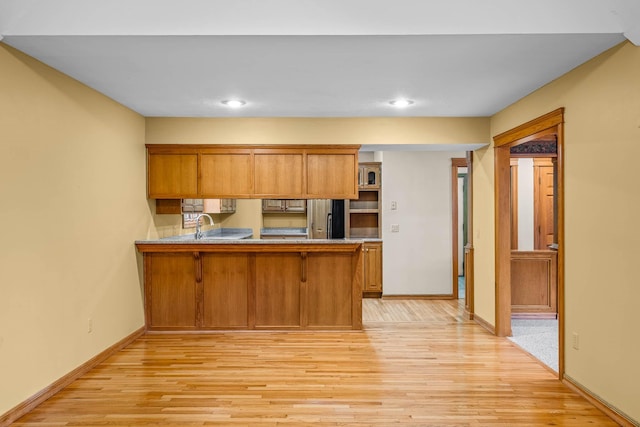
365 213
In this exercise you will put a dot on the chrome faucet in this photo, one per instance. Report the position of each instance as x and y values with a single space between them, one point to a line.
198 231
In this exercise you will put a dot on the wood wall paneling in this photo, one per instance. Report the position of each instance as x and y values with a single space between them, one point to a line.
534 281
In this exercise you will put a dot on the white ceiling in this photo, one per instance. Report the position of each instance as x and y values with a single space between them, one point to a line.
316 58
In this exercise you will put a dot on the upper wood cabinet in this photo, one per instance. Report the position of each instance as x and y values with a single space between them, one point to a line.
172 175
332 173
261 171
281 205
228 174
369 175
278 173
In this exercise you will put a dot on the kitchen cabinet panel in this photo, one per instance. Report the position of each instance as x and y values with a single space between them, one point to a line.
225 288
332 176
369 175
295 205
226 175
372 267
216 206
172 176
281 205
172 296
272 205
278 279
328 290
278 174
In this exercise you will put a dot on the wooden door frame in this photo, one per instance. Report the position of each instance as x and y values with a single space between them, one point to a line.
513 170
550 122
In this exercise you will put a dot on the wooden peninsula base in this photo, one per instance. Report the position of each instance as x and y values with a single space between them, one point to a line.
199 286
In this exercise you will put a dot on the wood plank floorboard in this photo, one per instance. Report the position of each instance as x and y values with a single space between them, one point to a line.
417 363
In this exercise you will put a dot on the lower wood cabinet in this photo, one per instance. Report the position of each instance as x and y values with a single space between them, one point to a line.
173 286
372 269
329 291
299 288
278 278
225 288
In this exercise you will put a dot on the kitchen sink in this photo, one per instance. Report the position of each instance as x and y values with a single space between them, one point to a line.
215 234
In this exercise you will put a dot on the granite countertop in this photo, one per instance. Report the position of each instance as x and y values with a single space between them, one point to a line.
209 236
192 241
244 236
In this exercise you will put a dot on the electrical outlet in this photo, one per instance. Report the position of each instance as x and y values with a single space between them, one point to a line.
90 326
395 228
576 340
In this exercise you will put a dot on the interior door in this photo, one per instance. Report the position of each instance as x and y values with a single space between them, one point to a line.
543 175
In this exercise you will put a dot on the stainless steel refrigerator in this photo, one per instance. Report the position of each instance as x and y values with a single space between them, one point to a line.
325 219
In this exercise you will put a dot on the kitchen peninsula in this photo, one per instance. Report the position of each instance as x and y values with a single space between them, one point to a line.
210 284
199 285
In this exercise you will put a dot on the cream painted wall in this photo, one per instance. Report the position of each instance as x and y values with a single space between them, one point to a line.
370 130
296 220
417 259
602 101
483 235
248 215
72 191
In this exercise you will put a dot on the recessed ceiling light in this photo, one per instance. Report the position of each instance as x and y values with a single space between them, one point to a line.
234 103
401 103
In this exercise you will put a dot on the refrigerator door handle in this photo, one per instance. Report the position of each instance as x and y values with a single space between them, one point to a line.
329 226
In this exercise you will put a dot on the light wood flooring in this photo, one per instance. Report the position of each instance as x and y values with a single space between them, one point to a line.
417 363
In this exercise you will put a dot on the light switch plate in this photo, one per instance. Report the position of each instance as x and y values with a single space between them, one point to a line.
395 228
394 205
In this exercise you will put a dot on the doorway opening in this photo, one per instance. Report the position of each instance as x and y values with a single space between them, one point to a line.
506 267
534 311
461 232
459 179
